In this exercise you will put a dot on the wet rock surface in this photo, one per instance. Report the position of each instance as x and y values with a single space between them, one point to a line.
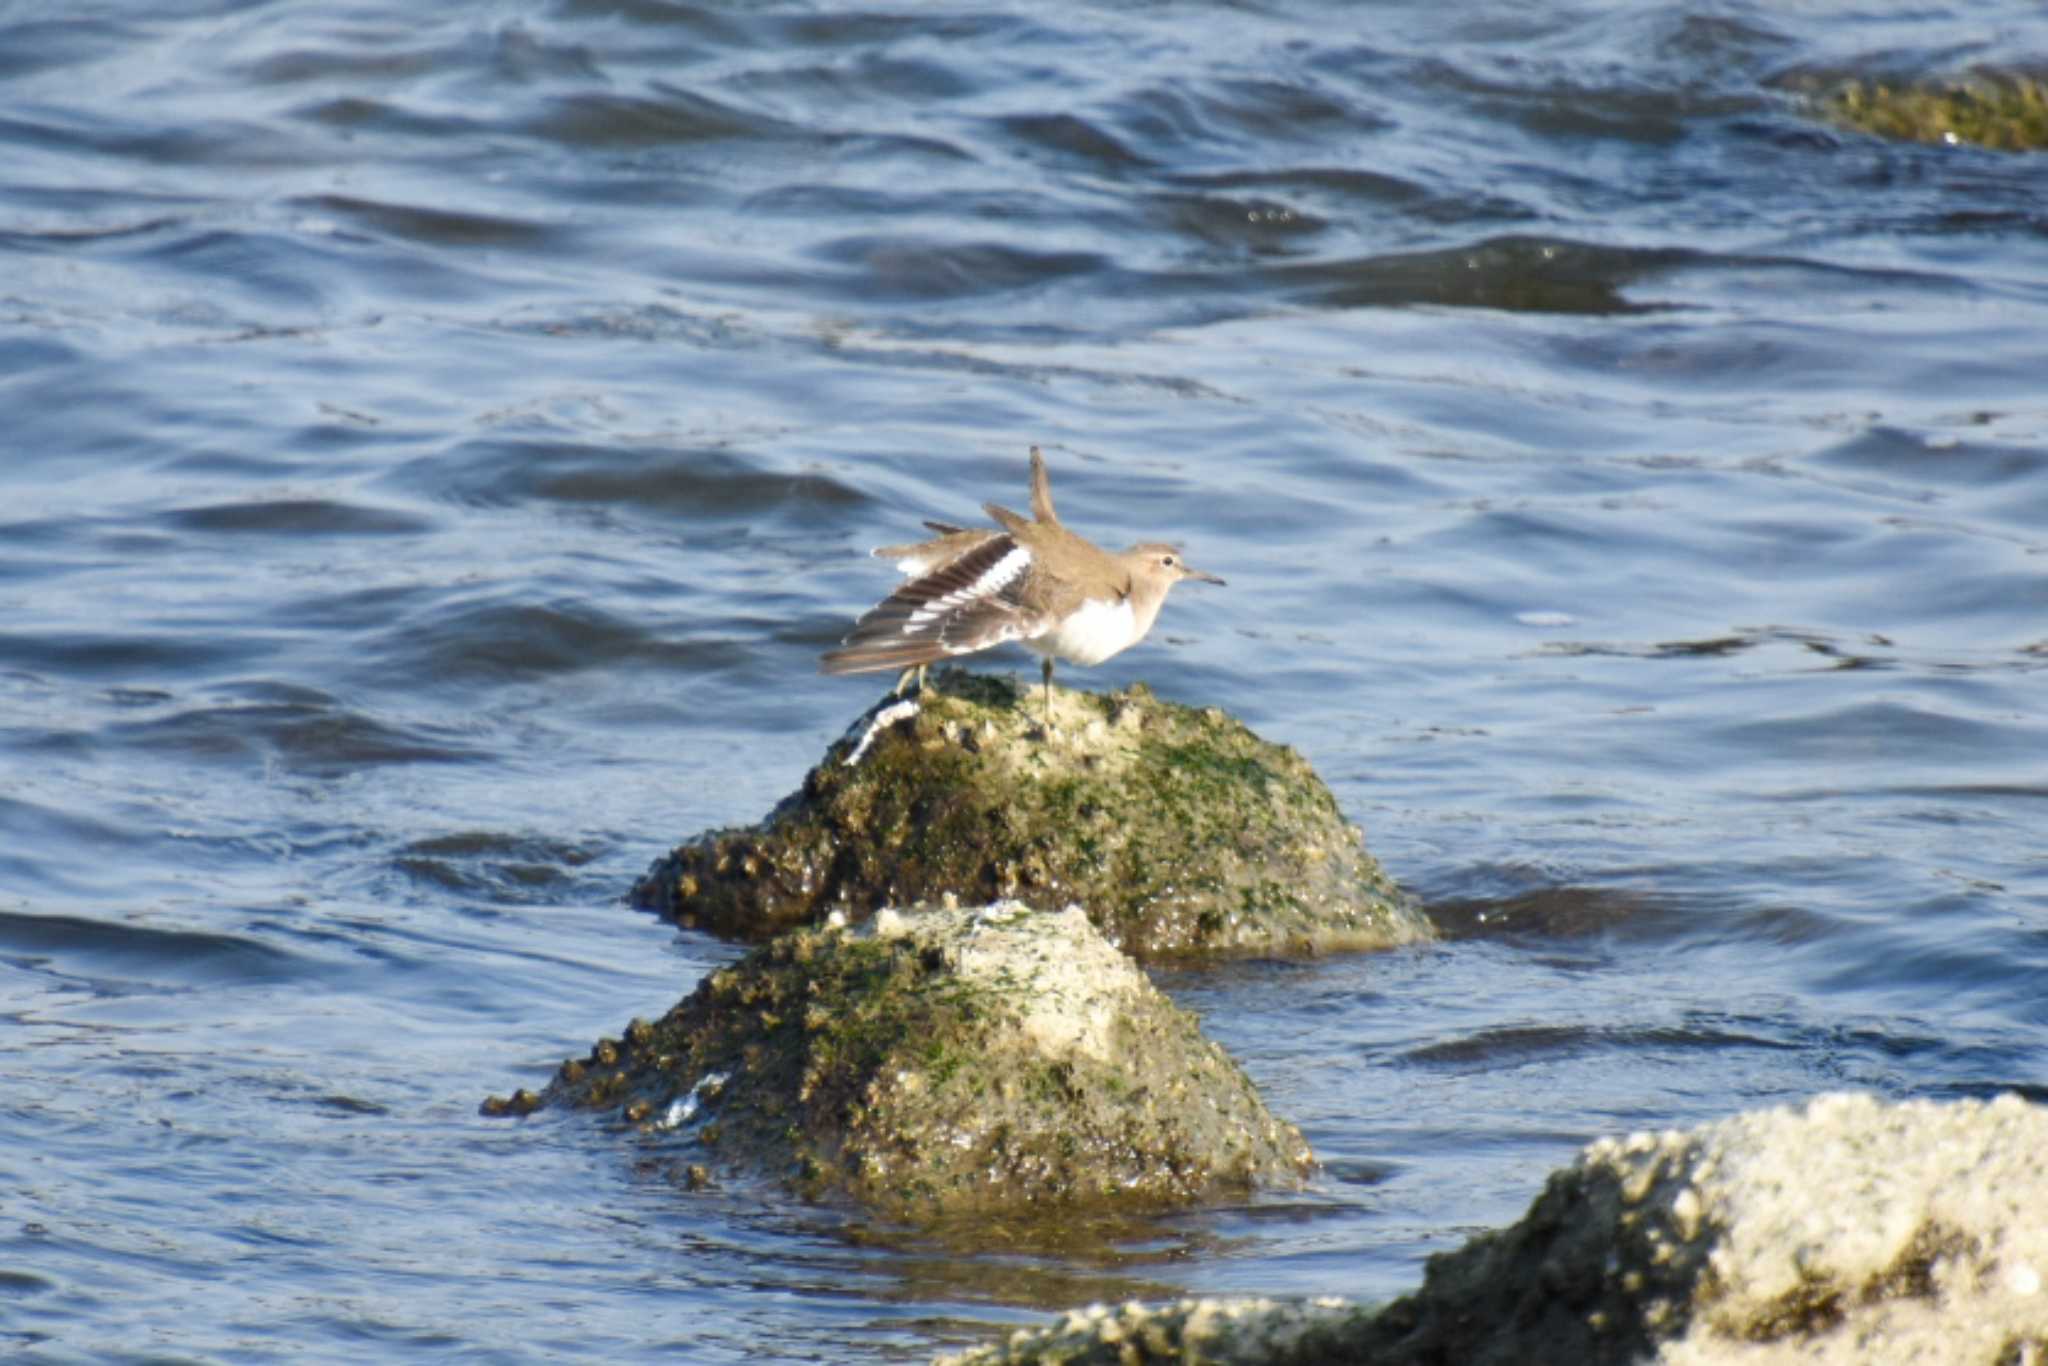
939 1061
1846 1231
2003 110
1222 1330
1178 829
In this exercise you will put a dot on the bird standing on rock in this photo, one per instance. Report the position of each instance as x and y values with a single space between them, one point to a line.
1033 581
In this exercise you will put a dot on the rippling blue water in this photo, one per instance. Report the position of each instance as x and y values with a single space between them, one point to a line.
437 444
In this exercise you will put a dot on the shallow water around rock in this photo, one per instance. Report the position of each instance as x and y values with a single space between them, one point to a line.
437 446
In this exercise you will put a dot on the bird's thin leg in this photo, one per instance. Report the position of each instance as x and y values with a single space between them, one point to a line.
903 683
1047 662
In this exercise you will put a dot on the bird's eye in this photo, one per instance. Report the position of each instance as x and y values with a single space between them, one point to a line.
1166 560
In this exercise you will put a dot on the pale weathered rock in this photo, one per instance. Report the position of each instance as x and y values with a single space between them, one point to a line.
1846 1231
1206 1330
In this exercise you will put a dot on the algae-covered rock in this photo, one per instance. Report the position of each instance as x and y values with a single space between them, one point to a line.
1178 829
1847 1231
945 1061
2005 112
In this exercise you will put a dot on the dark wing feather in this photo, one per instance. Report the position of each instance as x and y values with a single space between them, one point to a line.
971 604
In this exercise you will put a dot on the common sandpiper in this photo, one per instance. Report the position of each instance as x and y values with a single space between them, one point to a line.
1033 581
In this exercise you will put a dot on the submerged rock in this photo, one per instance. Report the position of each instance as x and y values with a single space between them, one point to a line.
1179 830
1847 1231
939 1062
2006 111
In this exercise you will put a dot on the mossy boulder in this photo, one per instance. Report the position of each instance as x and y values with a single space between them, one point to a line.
1178 829
943 1062
2003 111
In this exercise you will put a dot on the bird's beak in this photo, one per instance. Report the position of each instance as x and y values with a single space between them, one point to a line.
1205 578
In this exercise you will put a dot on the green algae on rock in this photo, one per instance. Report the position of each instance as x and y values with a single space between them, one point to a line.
2005 112
1178 829
939 1062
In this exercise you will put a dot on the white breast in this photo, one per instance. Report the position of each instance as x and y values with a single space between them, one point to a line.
1091 635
